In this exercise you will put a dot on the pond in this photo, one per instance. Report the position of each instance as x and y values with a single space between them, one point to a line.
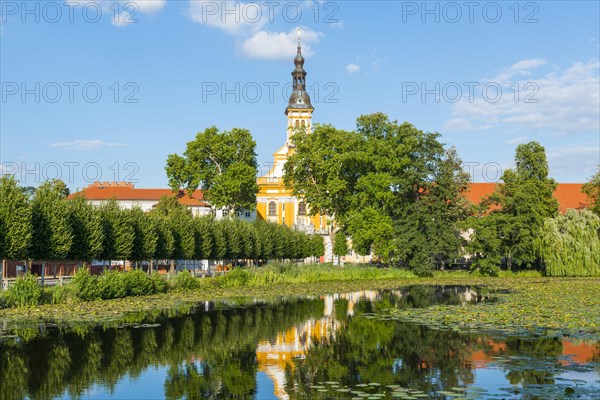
337 346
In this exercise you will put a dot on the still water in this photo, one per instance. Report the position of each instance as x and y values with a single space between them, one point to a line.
325 347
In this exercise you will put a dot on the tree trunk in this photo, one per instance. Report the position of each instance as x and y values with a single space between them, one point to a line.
2 274
172 268
42 273
150 266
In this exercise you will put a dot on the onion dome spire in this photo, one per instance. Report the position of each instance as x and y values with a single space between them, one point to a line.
299 98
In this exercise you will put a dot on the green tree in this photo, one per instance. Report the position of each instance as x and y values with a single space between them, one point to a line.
86 225
592 189
15 220
146 237
222 164
52 233
340 244
395 189
519 207
569 244
204 237
119 233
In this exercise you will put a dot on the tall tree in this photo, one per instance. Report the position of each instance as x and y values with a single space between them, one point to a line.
86 225
52 233
119 234
395 189
519 207
15 220
222 164
592 189
146 237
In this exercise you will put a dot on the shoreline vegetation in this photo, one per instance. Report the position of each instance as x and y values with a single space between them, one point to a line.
524 300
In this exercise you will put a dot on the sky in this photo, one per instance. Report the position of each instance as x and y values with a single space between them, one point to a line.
105 90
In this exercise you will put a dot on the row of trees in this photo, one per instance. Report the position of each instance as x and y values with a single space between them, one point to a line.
51 227
400 194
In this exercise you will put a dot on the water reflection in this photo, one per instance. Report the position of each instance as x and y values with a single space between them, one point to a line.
307 347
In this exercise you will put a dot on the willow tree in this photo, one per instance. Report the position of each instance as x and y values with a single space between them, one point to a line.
569 244
592 189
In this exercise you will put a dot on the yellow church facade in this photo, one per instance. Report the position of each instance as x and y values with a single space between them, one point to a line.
275 203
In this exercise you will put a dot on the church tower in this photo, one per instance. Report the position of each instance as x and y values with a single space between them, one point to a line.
299 110
275 202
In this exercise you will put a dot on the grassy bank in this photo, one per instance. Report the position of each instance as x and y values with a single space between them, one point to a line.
530 301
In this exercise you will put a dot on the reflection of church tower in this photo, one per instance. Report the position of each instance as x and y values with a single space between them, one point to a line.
299 110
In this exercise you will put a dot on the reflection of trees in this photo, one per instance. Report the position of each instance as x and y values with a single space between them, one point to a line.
521 371
368 350
222 342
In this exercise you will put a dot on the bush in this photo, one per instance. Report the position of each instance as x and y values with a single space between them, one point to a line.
486 267
85 285
185 281
25 291
138 283
111 285
160 285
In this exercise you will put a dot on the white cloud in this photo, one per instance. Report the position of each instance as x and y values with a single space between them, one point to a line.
83 144
233 17
246 21
559 102
522 67
458 124
517 140
149 6
279 45
352 68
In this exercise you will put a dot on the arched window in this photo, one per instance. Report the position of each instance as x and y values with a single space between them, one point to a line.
302 208
297 123
272 208
303 124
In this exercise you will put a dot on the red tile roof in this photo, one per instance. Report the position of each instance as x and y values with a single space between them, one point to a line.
126 191
568 194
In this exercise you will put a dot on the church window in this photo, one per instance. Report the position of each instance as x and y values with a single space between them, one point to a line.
272 208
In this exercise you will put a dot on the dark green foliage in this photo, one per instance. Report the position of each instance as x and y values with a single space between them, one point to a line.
160 285
25 291
138 283
145 241
185 281
394 189
521 204
119 233
52 235
15 220
111 285
86 225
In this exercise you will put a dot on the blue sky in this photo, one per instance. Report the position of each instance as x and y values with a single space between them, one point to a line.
486 75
